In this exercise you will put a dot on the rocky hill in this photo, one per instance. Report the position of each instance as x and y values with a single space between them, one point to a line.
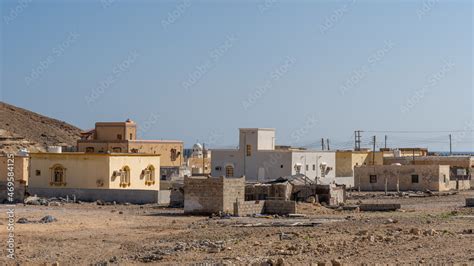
20 128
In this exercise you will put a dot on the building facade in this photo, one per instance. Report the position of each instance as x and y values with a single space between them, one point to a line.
198 160
20 168
94 171
348 159
259 159
460 167
406 177
121 137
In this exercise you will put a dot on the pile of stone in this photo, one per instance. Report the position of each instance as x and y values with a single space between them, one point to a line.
202 245
44 220
35 200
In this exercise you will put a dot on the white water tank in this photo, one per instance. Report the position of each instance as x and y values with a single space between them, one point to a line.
23 152
397 153
55 149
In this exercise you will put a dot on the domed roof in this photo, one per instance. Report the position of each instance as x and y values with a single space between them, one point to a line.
197 147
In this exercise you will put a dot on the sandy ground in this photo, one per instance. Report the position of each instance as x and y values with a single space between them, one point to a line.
426 230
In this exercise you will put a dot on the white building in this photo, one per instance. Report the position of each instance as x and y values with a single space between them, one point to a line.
259 159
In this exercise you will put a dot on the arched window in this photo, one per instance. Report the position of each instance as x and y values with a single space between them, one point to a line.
58 175
125 176
229 171
149 173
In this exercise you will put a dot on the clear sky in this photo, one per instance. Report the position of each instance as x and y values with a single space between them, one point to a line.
199 70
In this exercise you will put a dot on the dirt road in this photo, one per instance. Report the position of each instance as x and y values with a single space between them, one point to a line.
426 230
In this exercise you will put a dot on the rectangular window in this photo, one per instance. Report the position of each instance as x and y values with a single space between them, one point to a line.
131 136
445 179
314 167
307 167
373 178
38 172
414 178
249 150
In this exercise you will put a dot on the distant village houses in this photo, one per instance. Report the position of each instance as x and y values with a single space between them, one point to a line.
259 159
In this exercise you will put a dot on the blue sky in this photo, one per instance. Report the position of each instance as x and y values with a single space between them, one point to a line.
199 70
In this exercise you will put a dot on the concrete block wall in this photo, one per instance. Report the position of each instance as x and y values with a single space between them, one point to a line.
203 195
249 207
460 184
234 191
281 207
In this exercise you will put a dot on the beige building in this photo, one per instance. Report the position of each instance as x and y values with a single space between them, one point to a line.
94 171
198 160
20 170
404 152
347 160
461 167
406 177
120 137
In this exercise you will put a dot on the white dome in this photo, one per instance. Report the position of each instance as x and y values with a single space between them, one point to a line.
197 147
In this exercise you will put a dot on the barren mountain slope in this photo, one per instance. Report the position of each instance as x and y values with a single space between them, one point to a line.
20 128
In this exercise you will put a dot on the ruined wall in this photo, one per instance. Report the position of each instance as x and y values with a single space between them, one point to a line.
211 195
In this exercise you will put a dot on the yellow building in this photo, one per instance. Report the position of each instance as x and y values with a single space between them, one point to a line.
18 164
347 160
94 171
198 160
20 168
120 137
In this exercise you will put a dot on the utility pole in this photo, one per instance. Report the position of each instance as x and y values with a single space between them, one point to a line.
322 144
450 145
327 144
357 138
385 141
373 151
203 160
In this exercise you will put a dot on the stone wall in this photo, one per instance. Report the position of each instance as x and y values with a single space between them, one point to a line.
206 195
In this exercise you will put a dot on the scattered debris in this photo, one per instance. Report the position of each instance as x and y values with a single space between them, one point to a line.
469 202
22 221
44 220
48 219
379 207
